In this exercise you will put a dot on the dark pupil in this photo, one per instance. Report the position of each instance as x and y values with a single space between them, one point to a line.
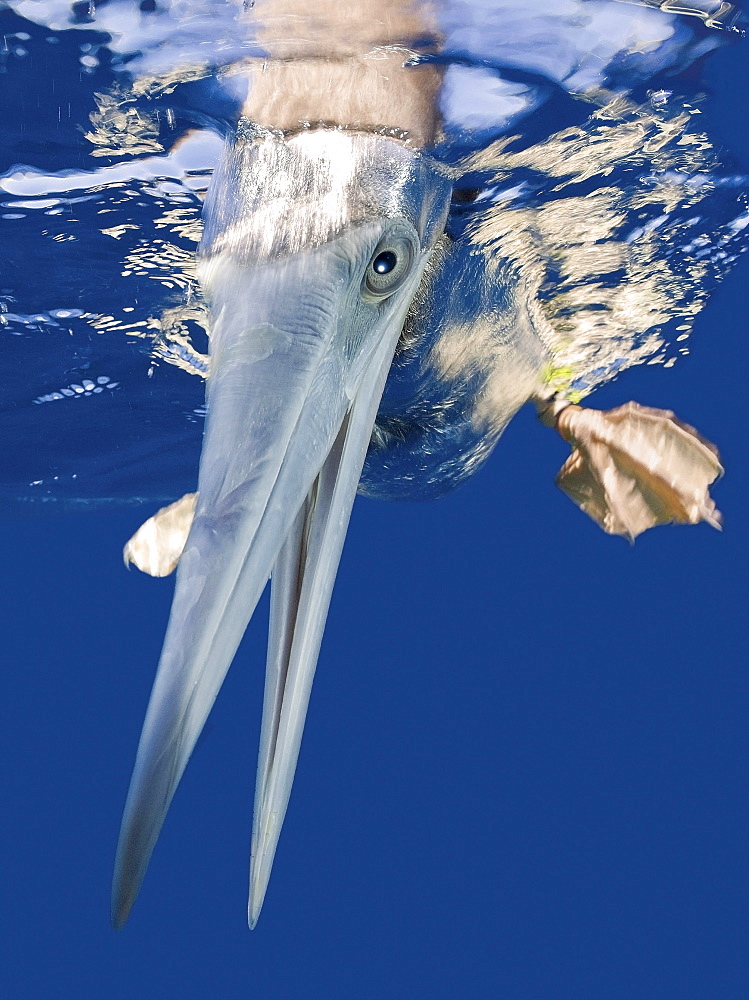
385 262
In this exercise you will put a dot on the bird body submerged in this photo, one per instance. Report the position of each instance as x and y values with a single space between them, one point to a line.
376 321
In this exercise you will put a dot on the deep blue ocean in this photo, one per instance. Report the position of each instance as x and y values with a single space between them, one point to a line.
524 772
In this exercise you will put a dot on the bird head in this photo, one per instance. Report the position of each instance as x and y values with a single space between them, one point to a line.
315 245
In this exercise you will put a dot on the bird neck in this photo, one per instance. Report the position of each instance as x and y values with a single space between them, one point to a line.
354 65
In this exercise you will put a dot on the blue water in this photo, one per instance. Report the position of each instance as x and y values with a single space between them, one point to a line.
106 157
524 773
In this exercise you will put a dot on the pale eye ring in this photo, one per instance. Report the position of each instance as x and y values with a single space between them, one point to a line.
389 266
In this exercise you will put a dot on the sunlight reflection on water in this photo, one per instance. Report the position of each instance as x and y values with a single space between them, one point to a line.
605 197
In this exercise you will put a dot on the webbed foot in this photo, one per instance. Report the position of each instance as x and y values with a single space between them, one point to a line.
635 467
157 545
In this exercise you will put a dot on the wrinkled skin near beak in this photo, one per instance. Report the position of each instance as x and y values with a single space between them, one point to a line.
314 249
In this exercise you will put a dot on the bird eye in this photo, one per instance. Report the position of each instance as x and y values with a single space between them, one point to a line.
389 266
385 262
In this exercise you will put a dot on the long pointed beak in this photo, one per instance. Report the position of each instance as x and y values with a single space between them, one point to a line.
292 399
301 587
